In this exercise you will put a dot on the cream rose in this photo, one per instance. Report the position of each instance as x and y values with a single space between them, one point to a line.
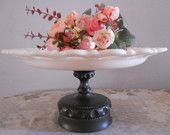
104 38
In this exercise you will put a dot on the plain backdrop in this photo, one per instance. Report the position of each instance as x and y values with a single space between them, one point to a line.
149 20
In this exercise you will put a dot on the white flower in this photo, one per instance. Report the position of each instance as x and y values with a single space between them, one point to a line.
104 38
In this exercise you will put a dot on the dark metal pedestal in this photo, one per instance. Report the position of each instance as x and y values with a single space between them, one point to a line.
84 111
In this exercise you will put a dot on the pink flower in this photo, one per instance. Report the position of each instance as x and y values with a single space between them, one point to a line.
83 21
111 12
114 26
94 25
50 46
108 13
86 43
104 38
58 27
100 16
71 17
89 23
66 48
68 36
66 39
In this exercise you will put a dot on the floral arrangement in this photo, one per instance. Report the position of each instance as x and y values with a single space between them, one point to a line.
105 29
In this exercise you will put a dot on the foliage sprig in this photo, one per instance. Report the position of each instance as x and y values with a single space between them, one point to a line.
45 14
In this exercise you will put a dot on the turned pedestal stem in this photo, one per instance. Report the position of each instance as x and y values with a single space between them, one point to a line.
84 76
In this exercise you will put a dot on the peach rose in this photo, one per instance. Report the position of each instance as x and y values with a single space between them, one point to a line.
87 43
58 27
111 12
100 16
71 17
83 21
50 46
104 38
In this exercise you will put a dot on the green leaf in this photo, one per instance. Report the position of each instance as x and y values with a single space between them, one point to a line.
121 22
88 11
124 37
113 46
102 5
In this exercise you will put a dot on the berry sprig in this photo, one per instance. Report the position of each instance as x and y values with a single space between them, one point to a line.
39 35
41 47
99 7
46 14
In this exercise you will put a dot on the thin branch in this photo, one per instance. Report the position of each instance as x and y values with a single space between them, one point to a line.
46 14
39 35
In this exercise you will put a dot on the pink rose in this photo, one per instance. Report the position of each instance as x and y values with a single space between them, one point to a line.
66 39
50 46
89 23
71 17
83 21
94 25
68 36
111 12
86 43
58 27
104 38
114 26
66 48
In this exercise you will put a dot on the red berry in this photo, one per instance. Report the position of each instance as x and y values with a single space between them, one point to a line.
59 15
97 5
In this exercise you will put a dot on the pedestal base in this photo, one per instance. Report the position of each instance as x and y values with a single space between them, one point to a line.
84 113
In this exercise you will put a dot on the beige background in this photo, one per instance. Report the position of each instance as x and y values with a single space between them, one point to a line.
149 20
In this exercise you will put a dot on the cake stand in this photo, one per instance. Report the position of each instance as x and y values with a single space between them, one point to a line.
84 111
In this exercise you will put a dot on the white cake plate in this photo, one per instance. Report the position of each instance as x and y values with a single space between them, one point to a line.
84 111
82 60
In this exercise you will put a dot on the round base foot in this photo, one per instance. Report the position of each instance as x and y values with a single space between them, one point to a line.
84 113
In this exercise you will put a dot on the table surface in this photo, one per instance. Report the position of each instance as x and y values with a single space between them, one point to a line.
134 112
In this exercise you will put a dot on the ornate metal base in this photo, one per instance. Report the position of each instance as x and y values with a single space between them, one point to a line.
84 111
